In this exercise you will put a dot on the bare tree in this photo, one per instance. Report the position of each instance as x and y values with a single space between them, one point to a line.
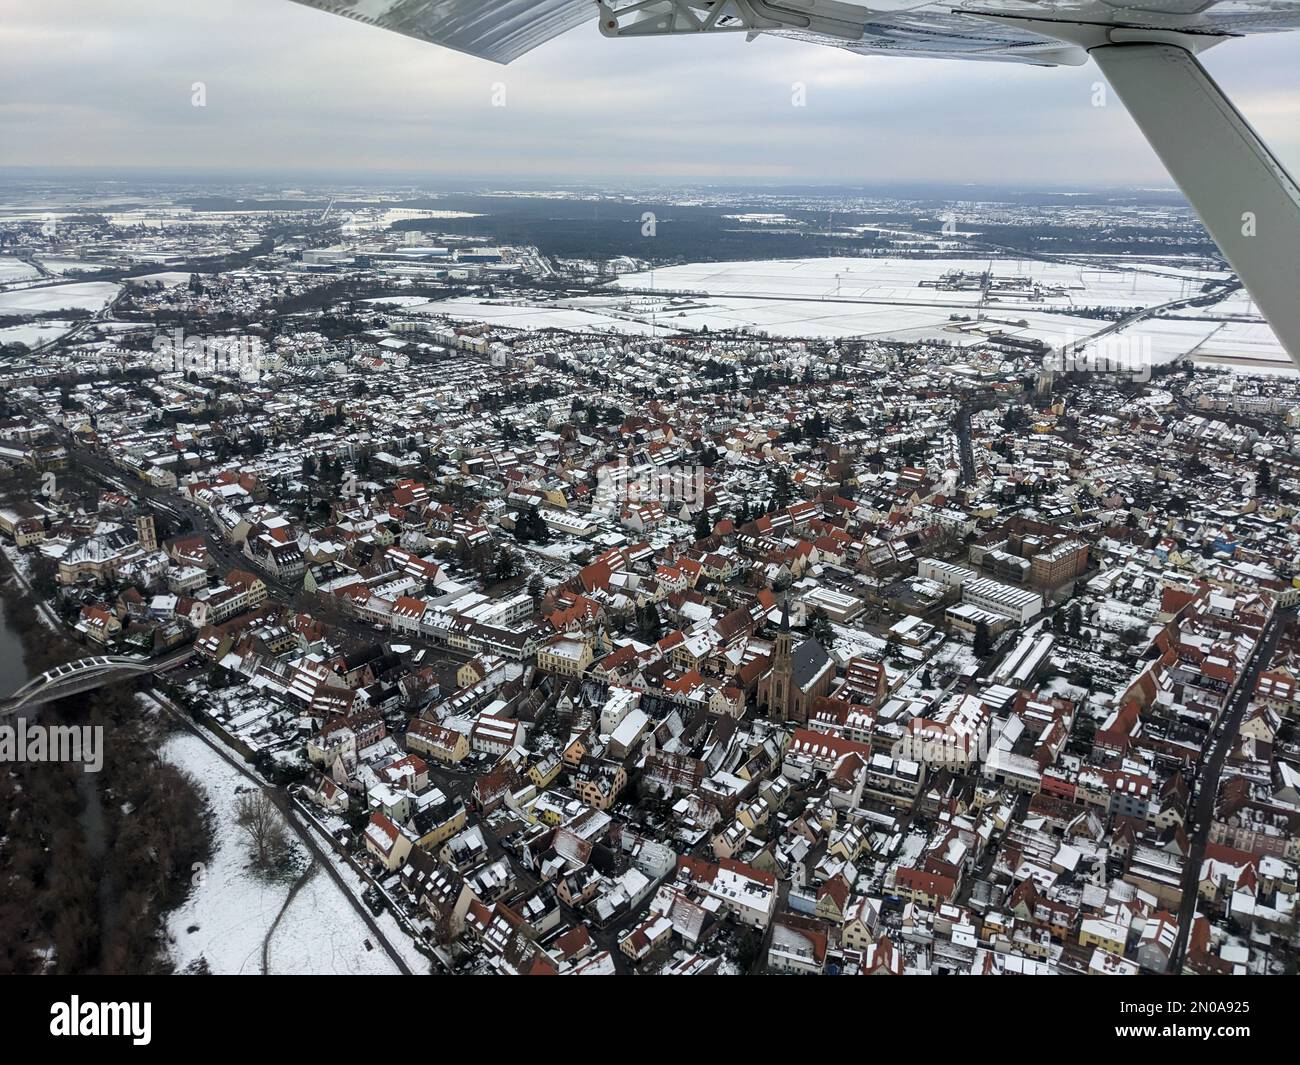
267 840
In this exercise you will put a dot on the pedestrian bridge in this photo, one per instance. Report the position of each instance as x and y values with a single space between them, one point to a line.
83 675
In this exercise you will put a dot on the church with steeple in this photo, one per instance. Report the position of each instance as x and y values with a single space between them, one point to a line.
799 675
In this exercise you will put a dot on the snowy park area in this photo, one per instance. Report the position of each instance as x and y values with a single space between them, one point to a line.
230 917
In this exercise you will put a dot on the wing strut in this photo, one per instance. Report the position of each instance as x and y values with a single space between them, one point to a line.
1245 197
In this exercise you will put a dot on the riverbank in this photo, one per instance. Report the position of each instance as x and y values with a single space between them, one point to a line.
28 628
93 861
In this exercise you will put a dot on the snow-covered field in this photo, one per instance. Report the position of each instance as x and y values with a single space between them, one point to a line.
793 318
12 269
33 333
231 910
1238 303
60 266
1251 346
321 935
399 301
809 297
537 316
90 296
884 299
398 214
899 281
831 318
1153 342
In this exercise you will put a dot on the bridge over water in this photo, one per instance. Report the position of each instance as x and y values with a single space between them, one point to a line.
84 675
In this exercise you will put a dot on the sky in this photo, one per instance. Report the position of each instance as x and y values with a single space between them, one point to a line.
110 84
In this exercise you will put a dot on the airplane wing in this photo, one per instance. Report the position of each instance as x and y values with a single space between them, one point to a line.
1020 30
500 30
503 30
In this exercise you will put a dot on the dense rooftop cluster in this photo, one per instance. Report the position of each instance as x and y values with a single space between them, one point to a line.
698 653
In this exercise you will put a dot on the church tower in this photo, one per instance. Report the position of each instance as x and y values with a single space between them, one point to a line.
145 532
778 690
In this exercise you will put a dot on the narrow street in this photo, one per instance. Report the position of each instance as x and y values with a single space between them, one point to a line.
961 424
1207 783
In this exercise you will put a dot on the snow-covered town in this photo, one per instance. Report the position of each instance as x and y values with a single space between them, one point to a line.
509 612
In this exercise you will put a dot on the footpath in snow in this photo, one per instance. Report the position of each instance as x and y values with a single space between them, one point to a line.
231 910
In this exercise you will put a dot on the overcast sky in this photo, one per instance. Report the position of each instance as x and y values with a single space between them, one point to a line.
290 89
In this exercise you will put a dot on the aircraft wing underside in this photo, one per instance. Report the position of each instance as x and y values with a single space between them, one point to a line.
503 30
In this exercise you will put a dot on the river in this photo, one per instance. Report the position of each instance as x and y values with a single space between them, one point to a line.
13 675
13 668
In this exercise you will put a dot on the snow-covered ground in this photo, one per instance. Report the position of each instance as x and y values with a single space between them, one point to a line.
1249 346
886 300
56 265
14 269
399 301
230 910
33 333
812 297
831 318
536 316
853 643
22 566
399 214
88 295
320 934
894 280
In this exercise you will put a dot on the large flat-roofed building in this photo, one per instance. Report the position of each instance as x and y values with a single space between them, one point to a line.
1024 662
1018 604
566 656
839 607
964 620
948 574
